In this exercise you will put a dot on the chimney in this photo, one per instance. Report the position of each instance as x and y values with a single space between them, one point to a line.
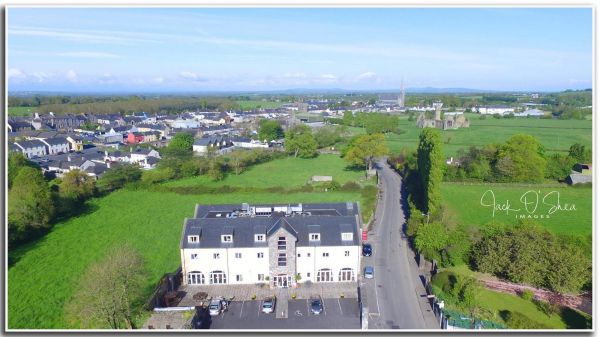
36 115
51 113
68 158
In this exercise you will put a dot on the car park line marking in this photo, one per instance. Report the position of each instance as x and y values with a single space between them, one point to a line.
307 307
242 310
376 297
323 302
340 304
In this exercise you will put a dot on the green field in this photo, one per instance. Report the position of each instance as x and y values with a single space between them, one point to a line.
464 202
21 111
288 172
42 275
258 104
556 135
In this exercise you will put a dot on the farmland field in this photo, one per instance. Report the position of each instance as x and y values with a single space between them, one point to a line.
256 104
21 110
464 202
288 172
555 135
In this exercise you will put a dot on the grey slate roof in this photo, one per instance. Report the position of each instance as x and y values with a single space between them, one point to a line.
29 144
56 141
335 218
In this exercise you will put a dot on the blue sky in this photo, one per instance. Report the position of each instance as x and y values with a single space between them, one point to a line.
212 49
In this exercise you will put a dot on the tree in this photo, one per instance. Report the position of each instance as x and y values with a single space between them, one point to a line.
77 185
579 153
180 145
327 135
431 239
430 164
16 161
119 176
364 149
237 161
300 142
110 292
468 298
30 205
559 166
521 159
215 169
270 130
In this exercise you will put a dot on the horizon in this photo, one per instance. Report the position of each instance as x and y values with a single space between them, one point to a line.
220 50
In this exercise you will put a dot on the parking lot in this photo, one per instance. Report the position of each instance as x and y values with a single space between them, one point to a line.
337 314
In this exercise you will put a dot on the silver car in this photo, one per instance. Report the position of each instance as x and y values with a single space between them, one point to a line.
268 305
369 272
215 306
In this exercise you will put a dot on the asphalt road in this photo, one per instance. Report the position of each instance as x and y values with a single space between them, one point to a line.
396 295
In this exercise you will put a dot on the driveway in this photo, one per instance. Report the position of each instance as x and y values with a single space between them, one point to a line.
338 313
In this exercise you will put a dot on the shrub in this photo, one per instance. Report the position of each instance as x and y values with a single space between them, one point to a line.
547 307
526 294
331 185
350 186
517 320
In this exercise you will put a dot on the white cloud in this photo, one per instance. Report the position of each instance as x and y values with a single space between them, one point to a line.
158 80
14 73
188 75
88 54
41 76
71 75
366 76
294 75
329 77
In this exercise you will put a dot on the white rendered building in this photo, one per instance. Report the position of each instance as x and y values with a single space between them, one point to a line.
276 244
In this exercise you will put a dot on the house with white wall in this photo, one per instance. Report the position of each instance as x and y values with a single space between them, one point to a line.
280 245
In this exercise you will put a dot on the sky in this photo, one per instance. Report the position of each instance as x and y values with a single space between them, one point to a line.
262 49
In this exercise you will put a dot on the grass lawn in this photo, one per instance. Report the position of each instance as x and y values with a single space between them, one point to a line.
21 110
42 280
258 104
496 302
287 172
555 135
464 202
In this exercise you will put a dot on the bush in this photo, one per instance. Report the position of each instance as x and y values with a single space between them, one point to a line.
331 185
526 294
517 320
350 186
547 307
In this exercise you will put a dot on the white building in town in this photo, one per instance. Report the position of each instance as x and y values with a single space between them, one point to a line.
495 109
276 244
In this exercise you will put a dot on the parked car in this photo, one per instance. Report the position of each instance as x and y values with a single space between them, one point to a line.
215 306
268 305
367 249
369 272
316 306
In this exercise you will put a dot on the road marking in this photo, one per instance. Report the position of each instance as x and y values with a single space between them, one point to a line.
376 295
307 308
340 304
323 302
241 311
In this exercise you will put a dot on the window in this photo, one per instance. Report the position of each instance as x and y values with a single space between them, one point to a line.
307 274
325 254
260 255
314 237
195 277
193 238
281 244
282 260
238 255
346 274
194 256
226 238
217 277
238 278
346 236
216 256
259 237
261 277
347 253
299 255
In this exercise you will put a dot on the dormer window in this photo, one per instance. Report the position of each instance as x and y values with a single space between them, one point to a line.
259 237
347 236
314 237
193 238
226 238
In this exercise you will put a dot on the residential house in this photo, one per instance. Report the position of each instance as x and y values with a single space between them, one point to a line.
32 148
248 143
75 142
581 174
15 126
135 138
280 245
219 144
56 145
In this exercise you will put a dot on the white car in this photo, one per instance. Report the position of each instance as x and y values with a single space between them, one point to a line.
268 305
215 306
369 272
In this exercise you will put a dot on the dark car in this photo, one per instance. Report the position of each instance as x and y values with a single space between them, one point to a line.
316 306
367 250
